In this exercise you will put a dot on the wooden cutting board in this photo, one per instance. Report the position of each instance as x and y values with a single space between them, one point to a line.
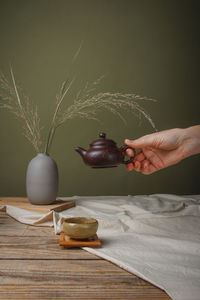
24 203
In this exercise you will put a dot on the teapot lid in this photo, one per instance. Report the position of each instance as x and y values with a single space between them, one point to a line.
103 142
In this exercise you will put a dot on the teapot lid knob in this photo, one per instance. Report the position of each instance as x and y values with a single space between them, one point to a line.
103 142
102 135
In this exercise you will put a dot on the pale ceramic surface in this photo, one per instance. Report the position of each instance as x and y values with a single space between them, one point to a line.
42 180
80 228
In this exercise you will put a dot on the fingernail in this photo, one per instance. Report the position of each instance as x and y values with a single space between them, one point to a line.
129 152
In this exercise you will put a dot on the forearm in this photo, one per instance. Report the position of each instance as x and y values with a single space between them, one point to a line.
192 140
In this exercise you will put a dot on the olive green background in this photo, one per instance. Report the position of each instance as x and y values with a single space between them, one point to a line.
150 47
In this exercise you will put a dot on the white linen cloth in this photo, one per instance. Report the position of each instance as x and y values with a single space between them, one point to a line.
156 237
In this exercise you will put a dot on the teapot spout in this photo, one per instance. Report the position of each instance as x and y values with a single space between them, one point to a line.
81 151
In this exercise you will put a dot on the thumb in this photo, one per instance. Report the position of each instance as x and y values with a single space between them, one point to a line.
144 141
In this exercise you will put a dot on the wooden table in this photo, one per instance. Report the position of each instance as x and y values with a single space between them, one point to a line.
34 266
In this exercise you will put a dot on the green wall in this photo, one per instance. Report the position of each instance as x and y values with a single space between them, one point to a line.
150 47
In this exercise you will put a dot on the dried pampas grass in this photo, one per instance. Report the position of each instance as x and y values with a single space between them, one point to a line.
10 99
86 105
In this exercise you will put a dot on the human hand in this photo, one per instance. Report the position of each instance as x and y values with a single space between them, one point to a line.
162 149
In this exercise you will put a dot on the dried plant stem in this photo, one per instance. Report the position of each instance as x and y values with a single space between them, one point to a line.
19 102
10 100
86 105
53 125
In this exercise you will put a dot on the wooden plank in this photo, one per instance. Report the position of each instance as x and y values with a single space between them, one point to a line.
11 227
39 248
77 279
23 241
24 203
25 273
37 231
67 291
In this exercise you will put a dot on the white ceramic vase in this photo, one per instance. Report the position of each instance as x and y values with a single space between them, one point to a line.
42 180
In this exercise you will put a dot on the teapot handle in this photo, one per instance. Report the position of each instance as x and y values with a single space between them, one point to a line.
124 148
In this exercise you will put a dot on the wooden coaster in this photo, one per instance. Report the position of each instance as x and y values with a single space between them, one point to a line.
67 242
58 205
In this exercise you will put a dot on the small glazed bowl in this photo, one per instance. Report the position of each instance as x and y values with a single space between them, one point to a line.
80 227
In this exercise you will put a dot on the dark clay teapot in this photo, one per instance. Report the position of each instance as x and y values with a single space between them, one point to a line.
103 153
